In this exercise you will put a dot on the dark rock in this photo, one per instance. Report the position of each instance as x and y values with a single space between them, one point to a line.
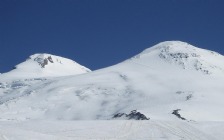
189 97
176 113
133 115
44 63
50 59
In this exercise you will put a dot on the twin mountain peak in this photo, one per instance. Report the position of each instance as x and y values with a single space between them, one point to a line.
176 53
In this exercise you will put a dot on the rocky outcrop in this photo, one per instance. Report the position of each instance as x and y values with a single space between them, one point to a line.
176 113
44 61
133 115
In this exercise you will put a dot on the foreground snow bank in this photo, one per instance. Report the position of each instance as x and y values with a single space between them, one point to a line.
111 130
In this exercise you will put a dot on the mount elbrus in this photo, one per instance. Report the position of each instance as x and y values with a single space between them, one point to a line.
172 80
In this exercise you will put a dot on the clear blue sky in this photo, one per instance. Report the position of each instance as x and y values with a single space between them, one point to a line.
100 33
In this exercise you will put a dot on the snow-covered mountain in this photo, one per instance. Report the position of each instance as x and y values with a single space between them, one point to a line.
186 56
45 65
172 80
176 87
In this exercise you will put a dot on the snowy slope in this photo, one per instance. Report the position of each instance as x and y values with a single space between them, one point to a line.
172 81
45 65
111 130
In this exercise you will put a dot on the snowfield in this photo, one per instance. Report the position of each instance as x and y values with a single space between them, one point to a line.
175 85
111 130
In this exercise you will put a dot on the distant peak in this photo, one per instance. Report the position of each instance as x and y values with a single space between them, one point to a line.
174 45
46 60
184 55
46 65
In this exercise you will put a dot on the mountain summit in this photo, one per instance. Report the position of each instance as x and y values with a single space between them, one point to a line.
46 65
183 55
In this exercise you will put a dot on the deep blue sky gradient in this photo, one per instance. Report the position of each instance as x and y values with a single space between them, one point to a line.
100 33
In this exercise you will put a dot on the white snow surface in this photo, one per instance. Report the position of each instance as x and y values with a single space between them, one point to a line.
111 130
171 75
